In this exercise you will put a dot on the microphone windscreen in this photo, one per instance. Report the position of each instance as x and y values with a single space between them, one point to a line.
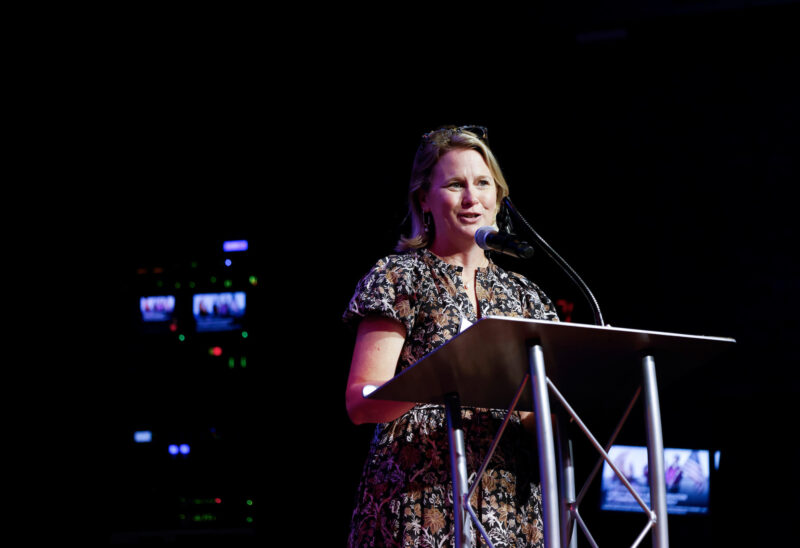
481 234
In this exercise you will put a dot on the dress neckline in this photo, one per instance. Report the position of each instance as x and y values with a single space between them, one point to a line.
457 268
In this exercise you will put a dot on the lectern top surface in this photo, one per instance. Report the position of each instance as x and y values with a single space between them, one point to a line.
487 362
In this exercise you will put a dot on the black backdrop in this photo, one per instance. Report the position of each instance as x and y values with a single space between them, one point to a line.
655 151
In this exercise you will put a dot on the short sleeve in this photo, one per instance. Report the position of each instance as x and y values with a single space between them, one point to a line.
386 290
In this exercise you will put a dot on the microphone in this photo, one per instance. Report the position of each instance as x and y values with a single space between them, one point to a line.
491 239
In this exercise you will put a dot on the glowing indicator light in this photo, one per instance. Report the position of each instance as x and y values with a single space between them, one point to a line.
249 502
143 436
228 283
184 449
243 361
181 337
244 334
234 245
173 449
248 519
228 262
215 351
253 280
218 500
231 362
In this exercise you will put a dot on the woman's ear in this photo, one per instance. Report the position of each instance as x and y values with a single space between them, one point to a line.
422 197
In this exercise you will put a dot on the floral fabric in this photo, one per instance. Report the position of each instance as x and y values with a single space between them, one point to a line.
405 494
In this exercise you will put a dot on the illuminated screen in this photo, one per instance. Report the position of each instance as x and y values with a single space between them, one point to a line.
157 309
687 480
219 311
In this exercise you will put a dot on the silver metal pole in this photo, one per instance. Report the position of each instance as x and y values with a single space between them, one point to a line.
458 470
547 454
567 470
655 454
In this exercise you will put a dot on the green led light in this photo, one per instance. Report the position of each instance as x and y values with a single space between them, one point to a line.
248 519
213 279
177 285
228 283
253 280
243 361
204 517
231 362
244 334
249 502
181 337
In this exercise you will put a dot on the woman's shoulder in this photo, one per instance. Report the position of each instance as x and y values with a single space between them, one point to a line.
511 277
396 268
528 291
410 260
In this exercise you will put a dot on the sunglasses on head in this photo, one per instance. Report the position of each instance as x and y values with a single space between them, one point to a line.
479 131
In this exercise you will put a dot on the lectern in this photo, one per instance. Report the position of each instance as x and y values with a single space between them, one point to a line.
490 365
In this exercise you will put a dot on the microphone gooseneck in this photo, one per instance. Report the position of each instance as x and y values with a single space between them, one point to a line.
598 316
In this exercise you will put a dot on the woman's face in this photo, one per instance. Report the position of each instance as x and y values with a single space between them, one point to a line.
461 198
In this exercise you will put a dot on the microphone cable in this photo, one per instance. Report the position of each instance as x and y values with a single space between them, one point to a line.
598 316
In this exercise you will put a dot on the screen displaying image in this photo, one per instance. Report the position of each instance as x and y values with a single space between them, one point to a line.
219 311
687 474
157 309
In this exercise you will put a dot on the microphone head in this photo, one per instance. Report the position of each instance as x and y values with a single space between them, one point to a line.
482 233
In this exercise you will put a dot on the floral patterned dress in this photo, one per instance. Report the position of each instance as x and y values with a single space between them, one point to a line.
405 495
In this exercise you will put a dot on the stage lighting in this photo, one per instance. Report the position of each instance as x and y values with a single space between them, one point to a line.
234 245
143 436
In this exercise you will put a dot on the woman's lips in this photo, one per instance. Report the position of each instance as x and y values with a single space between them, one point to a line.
470 217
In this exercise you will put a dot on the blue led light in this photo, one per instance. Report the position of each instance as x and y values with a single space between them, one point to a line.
173 449
184 449
143 436
228 262
234 245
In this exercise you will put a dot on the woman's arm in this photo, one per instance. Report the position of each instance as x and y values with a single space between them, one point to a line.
378 345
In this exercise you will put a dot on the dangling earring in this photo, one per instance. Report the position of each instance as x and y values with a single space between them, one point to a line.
426 221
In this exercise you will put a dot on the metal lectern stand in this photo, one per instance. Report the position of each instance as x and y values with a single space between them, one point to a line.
489 364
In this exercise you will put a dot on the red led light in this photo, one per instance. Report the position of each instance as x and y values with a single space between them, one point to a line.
566 308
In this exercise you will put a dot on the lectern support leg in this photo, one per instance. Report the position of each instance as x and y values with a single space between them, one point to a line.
458 468
547 454
655 454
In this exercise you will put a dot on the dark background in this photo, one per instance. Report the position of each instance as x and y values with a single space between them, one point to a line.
655 149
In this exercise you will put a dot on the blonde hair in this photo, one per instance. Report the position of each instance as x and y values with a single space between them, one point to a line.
435 145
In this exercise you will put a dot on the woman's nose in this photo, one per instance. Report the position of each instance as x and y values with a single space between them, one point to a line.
468 197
